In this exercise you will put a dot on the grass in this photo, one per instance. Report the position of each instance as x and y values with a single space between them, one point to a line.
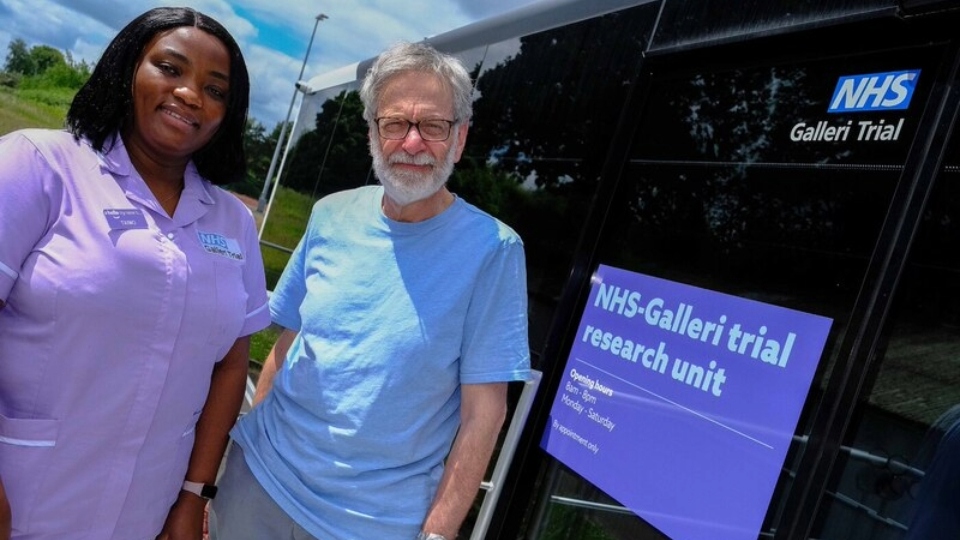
285 225
22 109
54 100
262 342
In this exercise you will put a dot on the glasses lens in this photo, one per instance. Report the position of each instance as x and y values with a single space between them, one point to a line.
430 130
434 130
393 128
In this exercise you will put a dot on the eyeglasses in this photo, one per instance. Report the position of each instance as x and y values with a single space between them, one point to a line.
395 129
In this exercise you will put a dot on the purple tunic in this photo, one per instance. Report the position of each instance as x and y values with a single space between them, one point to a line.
115 316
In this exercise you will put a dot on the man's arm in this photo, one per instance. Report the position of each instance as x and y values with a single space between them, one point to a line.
227 385
273 363
483 409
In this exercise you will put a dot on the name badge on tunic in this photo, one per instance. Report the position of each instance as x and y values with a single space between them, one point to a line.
125 218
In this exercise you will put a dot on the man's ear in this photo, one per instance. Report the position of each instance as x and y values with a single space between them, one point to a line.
461 139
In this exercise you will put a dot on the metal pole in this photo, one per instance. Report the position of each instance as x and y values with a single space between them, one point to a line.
273 192
262 202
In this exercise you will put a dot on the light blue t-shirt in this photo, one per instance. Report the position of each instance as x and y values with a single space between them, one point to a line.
393 317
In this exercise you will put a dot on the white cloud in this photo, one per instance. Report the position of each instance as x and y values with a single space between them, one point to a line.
354 31
271 83
479 10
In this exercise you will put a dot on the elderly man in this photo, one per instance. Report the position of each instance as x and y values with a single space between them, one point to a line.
404 309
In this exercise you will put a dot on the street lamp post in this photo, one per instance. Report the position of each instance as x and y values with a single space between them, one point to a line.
264 194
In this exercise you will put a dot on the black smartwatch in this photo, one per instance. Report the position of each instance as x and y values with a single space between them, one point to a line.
206 491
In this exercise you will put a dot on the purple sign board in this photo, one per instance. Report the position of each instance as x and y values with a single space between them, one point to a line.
681 402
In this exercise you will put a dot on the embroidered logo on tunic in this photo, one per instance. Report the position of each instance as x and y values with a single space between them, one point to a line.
220 245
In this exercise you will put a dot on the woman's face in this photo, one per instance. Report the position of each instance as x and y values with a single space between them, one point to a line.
180 89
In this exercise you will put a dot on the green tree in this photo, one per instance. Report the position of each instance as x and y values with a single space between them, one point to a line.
34 60
258 146
316 165
57 76
493 190
550 110
19 59
45 57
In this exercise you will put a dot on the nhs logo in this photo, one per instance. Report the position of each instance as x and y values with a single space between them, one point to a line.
212 240
889 91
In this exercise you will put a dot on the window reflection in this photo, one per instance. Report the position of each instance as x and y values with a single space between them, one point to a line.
914 403
716 195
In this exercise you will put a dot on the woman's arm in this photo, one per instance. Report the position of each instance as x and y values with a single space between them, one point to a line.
5 517
227 386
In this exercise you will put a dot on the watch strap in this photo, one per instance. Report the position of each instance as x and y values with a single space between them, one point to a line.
206 491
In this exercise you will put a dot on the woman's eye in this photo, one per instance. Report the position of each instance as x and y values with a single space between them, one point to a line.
168 69
218 93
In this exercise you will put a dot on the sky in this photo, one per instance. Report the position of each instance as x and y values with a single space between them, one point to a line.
274 39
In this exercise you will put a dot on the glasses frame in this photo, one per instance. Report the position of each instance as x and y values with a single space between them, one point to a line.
411 125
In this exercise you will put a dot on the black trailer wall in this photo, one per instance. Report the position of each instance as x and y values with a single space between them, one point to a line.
709 181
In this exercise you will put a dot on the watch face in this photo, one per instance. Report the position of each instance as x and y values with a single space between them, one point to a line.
208 491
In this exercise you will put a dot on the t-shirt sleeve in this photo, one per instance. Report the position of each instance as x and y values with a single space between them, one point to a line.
29 193
496 344
258 312
291 288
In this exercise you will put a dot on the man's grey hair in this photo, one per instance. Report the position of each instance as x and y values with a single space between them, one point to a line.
405 57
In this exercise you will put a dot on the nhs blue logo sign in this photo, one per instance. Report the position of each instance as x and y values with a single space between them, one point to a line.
889 91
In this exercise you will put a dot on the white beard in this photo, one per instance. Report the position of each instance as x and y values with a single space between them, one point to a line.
405 187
